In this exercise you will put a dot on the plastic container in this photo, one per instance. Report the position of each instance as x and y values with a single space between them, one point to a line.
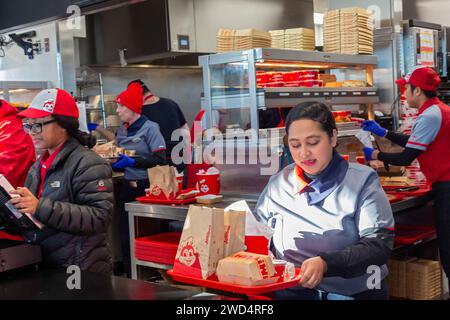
208 183
361 160
257 244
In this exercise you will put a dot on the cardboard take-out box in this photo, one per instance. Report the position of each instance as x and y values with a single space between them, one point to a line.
247 269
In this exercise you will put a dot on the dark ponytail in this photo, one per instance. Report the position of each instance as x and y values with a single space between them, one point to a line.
315 111
72 127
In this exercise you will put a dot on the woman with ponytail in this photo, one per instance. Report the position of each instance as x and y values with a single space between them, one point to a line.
69 189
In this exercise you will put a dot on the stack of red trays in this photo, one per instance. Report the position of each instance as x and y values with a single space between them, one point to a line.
408 234
158 248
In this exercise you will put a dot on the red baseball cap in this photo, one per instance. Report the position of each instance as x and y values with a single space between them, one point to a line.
51 102
424 78
132 97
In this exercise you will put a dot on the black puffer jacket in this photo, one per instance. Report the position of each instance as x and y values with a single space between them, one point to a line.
76 207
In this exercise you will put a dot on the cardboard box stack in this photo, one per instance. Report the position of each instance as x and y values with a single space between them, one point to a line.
277 39
299 39
423 278
356 31
348 31
246 39
414 279
225 40
332 32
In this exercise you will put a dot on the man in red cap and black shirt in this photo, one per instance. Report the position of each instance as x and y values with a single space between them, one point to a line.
429 142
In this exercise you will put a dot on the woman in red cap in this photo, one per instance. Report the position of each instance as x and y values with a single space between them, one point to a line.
428 142
69 189
142 135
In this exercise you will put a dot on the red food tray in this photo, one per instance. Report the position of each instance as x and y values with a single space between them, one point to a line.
164 240
408 234
393 198
423 190
155 259
213 283
154 251
165 201
149 256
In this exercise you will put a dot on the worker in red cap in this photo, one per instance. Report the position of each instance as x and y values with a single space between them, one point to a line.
16 148
69 190
143 136
429 142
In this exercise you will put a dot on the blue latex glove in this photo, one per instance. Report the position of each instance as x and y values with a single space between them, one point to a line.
375 128
368 153
92 126
123 162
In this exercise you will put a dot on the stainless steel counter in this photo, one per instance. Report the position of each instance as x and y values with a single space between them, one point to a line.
159 211
176 212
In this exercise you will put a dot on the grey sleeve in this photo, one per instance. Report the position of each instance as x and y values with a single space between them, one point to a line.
155 140
425 129
375 223
261 211
91 211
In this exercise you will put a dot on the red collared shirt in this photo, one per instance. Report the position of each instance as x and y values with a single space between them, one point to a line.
431 134
46 163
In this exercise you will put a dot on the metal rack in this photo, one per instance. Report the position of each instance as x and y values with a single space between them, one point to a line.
219 95
92 81
24 89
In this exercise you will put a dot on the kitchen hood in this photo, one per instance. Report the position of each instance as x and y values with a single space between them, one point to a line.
176 32
160 32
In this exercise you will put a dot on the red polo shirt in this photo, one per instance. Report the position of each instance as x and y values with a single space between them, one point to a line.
46 163
431 134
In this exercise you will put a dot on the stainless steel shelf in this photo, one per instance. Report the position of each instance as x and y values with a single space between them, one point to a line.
406 248
409 203
344 60
290 97
153 265
314 58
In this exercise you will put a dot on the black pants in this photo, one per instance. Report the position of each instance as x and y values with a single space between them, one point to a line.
128 193
441 192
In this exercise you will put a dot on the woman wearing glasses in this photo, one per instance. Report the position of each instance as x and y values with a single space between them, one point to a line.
69 189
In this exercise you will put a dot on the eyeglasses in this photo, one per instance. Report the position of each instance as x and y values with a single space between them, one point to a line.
35 127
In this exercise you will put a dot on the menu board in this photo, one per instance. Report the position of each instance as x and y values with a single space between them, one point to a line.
426 49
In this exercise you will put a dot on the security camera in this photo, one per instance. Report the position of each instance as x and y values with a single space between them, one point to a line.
29 48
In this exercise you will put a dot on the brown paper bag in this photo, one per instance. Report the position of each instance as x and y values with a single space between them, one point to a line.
163 179
201 244
234 238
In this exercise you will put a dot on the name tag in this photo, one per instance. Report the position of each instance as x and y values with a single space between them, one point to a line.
136 140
